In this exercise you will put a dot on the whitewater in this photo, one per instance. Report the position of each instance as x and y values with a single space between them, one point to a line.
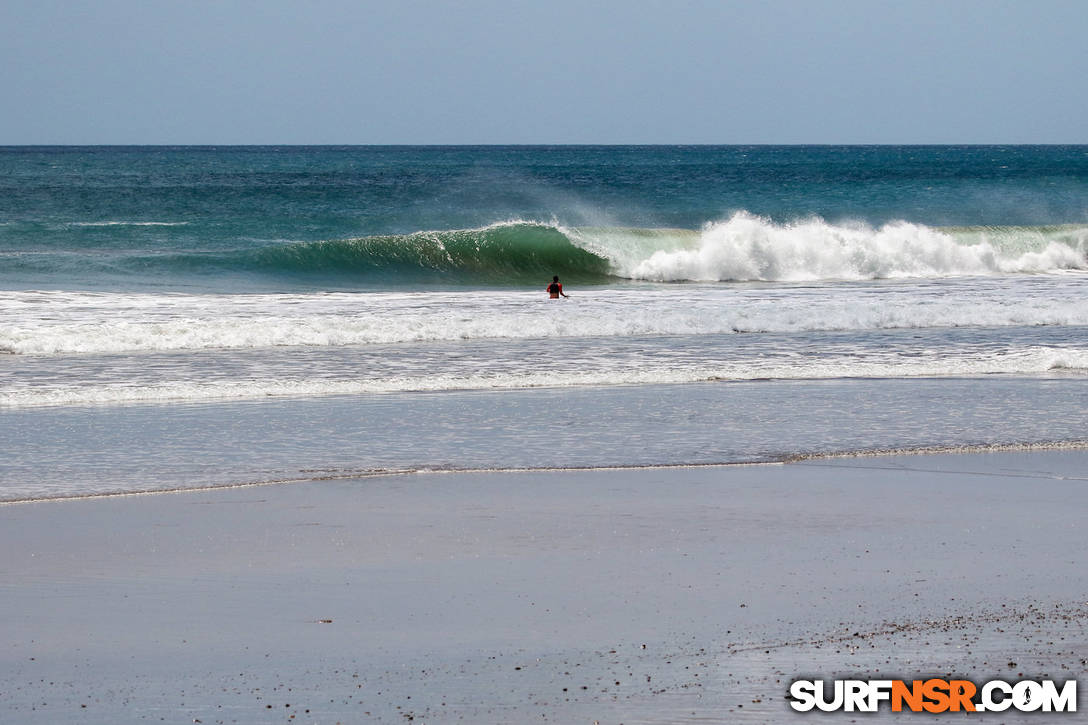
93 347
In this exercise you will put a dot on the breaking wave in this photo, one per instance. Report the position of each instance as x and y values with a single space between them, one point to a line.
743 248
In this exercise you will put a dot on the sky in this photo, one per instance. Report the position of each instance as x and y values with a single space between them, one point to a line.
550 71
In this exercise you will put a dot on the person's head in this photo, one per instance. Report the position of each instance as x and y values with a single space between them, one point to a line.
555 278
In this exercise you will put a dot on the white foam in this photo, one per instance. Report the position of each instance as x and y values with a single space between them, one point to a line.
747 247
126 224
52 323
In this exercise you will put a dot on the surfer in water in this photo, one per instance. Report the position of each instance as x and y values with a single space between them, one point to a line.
555 289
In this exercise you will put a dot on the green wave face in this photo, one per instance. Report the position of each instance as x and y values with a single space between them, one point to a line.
502 253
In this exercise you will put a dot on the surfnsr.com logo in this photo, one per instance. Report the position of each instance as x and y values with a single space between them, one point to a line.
933 695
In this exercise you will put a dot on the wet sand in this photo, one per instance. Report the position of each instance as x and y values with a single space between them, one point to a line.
636 596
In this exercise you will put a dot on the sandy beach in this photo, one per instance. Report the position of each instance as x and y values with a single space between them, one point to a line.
643 595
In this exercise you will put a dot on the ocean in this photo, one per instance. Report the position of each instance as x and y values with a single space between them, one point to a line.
179 317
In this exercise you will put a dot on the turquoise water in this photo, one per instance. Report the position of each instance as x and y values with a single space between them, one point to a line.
262 313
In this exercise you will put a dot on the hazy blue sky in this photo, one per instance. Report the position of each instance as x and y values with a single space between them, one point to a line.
551 71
